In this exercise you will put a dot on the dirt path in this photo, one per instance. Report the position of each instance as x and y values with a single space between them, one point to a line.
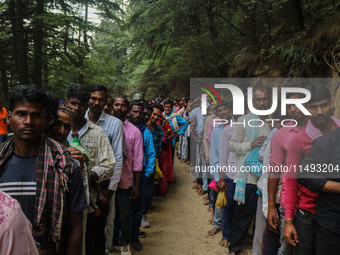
179 222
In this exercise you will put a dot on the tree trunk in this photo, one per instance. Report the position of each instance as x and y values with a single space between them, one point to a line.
85 25
38 44
4 80
83 52
16 12
211 21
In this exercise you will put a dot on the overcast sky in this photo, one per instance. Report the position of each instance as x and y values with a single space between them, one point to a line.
93 17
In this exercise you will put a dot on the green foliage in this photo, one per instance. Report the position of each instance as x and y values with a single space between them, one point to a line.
53 37
150 46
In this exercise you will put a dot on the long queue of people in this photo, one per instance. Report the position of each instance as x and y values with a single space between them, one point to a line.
79 178
280 183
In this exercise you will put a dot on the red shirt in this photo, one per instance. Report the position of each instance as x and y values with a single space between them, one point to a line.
279 147
298 196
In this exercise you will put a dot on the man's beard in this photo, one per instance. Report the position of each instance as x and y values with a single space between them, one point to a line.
96 110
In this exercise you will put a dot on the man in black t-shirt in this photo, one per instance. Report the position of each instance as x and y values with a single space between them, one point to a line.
320 173
40 174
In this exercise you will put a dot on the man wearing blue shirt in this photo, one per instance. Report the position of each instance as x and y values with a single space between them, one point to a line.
136 115
152 114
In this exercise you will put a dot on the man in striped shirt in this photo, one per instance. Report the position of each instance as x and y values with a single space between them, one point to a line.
101 158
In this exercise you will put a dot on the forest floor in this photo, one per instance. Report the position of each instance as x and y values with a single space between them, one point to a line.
179 222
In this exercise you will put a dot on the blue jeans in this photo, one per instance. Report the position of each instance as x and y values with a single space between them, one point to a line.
305 227
212 195
196 157
204 174
218 217
150 183
271 243
201 162
218 212
138 206
123 220
185 147
243 215
272 240
228 209
285 248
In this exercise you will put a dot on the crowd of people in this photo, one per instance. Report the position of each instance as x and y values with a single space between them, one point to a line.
277 180
79 178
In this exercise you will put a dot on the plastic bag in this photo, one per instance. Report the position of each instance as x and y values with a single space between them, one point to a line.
158 172
212 185
221 200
